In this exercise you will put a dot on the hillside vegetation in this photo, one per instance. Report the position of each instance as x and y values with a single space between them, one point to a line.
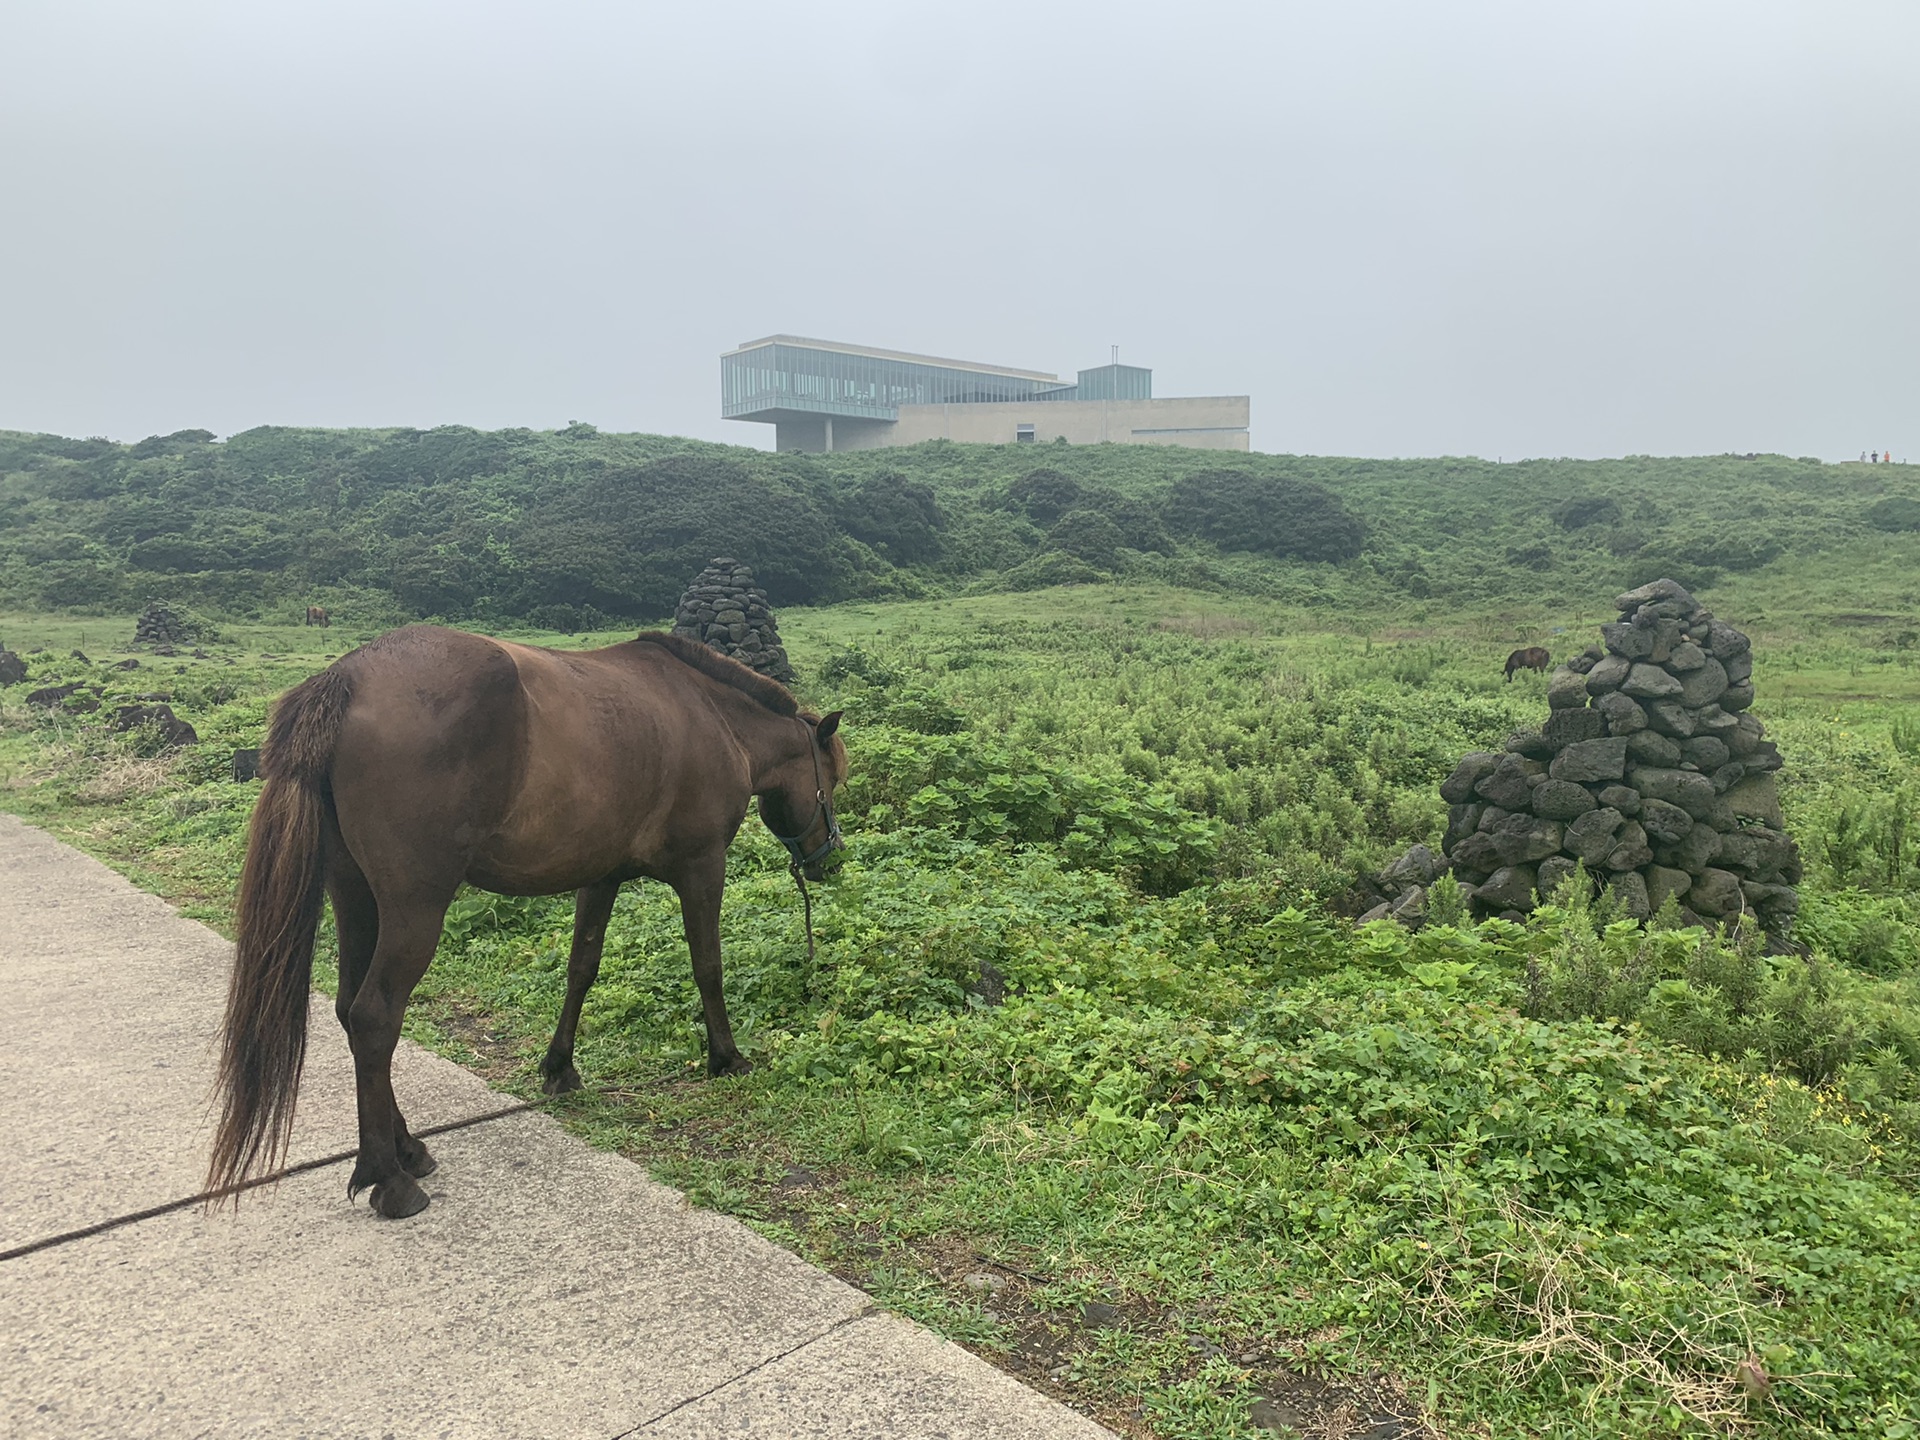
574 529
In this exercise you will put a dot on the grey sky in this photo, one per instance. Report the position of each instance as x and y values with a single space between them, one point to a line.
1403 228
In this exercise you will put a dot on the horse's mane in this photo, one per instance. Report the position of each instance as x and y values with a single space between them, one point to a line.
769 693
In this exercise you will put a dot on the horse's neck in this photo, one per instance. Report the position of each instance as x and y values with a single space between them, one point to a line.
768 740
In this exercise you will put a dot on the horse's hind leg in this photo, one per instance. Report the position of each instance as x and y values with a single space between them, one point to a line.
357 919
700 889
591 909
409 931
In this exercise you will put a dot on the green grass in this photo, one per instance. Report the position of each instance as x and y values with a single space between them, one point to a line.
1218 1151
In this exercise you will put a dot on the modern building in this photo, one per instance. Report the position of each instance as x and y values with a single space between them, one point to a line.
821 395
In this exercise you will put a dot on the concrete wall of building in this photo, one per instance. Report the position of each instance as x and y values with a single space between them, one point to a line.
1198 422
815 434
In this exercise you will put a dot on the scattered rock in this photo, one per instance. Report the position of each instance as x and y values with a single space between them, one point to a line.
246 765
13 670
174 732
991 988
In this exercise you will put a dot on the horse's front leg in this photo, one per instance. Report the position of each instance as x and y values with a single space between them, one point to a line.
592 907
700 888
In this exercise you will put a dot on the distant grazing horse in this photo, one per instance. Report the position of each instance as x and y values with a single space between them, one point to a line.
317 615
1534 657
432 758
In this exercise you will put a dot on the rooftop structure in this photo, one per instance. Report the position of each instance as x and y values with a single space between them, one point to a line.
823 395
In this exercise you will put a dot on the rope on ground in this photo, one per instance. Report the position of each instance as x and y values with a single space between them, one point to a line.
48 1242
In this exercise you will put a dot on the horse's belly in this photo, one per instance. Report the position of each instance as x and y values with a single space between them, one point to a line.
557 848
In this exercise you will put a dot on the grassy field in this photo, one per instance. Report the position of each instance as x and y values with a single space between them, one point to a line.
1092 1076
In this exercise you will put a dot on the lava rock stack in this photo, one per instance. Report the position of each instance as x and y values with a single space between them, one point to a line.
1649 770
723 608
160 624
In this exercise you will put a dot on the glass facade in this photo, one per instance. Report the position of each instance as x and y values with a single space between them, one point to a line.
1114 382
866 387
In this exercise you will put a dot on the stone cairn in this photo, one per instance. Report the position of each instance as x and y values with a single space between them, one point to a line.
1649 771
159 624
726 610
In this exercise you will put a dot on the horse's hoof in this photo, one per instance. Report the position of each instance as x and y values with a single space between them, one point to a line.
417 1160
738 1065
397 1197
566 1081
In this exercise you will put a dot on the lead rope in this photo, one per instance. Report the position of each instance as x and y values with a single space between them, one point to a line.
806 899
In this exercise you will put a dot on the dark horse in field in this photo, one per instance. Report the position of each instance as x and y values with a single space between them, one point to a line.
431 759
1534 657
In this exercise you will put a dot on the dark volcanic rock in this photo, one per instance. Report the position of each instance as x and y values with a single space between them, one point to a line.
1506 784
1622 714
1562 800
1457 788
1591 760
1591 836
1650 682
1508 888
1630 894
174 732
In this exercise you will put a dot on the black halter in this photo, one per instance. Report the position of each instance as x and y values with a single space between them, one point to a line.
799 859
822 803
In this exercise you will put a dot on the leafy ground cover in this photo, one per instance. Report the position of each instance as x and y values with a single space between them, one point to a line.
1092 1076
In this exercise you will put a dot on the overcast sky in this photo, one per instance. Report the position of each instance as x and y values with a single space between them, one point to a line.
1403 228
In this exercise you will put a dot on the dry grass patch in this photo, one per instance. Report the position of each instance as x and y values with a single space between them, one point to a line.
124 777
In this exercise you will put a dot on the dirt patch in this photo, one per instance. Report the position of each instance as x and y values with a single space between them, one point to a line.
483 1049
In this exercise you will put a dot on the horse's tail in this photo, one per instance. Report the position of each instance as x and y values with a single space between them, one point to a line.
263 1041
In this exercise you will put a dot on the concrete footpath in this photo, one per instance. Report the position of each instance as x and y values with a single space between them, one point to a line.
550 1290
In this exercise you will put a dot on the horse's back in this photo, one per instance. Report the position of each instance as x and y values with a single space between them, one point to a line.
622 754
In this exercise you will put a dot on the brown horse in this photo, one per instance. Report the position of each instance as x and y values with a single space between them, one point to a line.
1534 657
317 615
431 759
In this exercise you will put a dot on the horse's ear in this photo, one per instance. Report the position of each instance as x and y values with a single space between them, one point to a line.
828 724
